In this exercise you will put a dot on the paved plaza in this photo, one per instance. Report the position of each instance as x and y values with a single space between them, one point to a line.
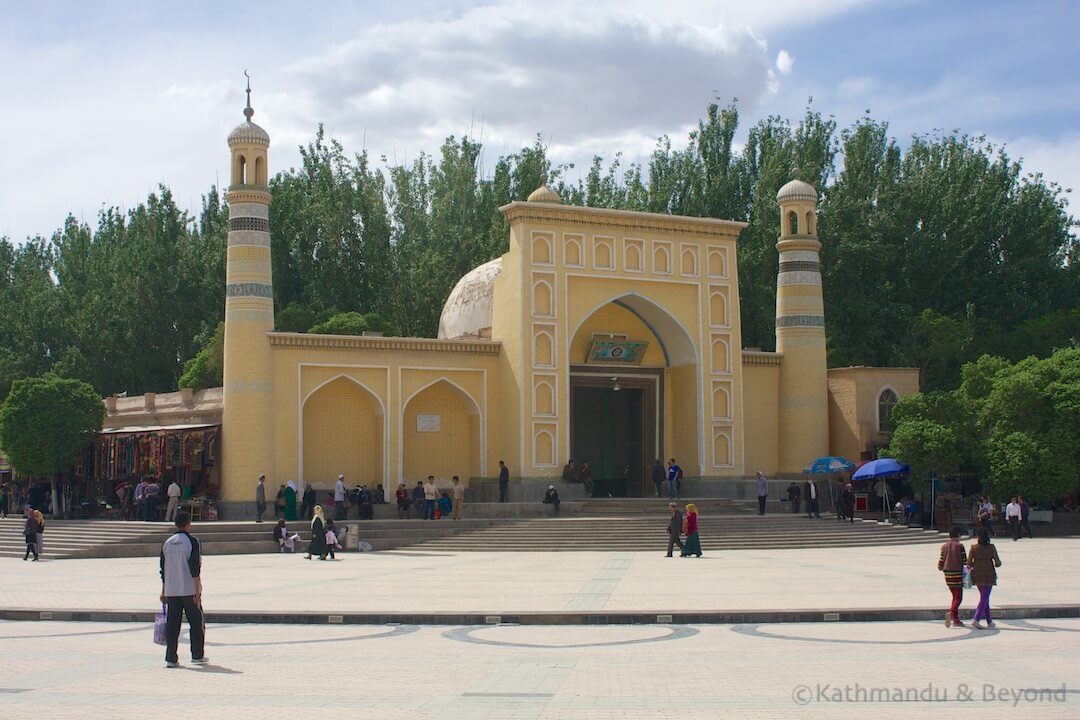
1023 668
507 583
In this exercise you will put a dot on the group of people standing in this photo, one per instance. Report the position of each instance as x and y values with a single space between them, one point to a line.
429 501
1017 515
340 499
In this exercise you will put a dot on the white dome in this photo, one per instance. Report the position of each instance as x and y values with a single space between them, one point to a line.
249 133
796 189
467 312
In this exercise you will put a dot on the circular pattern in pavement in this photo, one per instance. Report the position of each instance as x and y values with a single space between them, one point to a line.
639 634
864 633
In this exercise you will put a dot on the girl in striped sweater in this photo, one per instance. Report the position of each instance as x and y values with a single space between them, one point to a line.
952 560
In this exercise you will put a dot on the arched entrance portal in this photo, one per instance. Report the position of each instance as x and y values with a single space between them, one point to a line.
441 435
625 415
343 431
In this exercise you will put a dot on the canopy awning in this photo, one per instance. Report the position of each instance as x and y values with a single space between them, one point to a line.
135 430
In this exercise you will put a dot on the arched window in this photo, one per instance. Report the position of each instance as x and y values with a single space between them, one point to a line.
885 402
793 223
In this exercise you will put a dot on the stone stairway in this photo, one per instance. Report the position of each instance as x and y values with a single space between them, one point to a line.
109 538
614 524
640 526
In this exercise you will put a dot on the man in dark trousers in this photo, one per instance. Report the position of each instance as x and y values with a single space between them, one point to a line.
504 481
813 508
181 591
659 475
794 496
674 528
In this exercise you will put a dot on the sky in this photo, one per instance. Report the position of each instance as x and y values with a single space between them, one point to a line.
105 100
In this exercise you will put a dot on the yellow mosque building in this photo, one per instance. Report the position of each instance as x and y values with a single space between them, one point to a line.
607 336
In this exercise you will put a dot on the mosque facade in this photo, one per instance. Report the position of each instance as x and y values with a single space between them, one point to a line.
606 336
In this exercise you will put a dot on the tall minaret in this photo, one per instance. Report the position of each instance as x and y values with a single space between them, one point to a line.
800 330
247 417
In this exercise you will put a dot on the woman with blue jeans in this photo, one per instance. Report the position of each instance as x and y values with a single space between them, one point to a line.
983 561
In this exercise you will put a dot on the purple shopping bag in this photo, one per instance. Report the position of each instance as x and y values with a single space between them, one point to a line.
159 626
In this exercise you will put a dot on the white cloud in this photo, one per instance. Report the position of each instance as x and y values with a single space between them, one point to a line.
784 62
574 79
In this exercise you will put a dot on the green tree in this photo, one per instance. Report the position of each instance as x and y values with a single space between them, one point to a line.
206 369
46 421
350 323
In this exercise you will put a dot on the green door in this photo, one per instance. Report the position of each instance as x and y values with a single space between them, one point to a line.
608 435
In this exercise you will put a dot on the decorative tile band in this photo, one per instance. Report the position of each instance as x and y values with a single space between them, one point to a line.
249 237
249 223
797 255
799 278
800 266
245 209
800 321
249 289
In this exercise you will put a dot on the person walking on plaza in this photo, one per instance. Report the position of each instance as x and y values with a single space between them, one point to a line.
30 533
674 479
986 515
762 492
181 591
39 536
692 546
1025 515
431 497
1012 516
341 510
794 496
331 539
458 496
260 498
813 505
658 476
504 481
951 561
848 498
983 561
173 493
674 528
317 544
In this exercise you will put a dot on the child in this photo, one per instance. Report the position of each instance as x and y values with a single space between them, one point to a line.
331 540
286 542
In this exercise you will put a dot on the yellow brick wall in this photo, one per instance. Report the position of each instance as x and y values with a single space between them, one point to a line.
343 433
453 450
761 394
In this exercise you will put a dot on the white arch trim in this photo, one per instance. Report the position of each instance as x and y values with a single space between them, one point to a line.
474 409
300 421
320 386
673 336
475 406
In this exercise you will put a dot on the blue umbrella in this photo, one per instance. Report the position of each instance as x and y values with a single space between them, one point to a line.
830 465
880 468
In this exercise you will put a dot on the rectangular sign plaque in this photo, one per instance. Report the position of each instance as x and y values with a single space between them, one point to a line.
623 352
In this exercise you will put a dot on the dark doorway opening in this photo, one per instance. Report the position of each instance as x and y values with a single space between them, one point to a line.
614 431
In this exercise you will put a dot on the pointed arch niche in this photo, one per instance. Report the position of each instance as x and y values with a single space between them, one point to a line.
452 449
680 405
343 433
